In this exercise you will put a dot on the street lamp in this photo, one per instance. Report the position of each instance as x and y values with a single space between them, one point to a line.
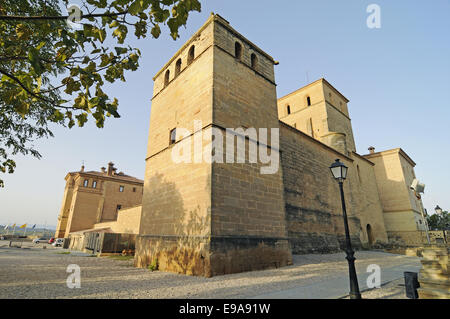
339 171
438 210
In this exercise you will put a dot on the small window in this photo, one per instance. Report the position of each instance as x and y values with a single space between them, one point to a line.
254 60
134 189
238 50
288 109
359 173
119 207
308 101
191 55
121 189
173 136
167 78
178 67
94 184
86 183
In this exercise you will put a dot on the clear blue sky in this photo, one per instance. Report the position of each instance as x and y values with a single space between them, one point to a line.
397 79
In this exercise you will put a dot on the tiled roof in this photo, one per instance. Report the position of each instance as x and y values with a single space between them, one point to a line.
122 177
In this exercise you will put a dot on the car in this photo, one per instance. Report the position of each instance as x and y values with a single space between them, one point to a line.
51 240
40 240
58 242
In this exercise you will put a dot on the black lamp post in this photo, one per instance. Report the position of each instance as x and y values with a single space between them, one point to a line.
339 171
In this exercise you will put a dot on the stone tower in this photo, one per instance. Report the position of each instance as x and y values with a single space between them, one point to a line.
321 111
203 214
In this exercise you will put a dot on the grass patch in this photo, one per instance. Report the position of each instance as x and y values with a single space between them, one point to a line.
119 257
63 253
154 266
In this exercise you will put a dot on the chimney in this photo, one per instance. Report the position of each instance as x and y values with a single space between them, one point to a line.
110 168
372 150
82 169
103 170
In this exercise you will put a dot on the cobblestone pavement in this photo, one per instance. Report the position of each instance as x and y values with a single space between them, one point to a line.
34 272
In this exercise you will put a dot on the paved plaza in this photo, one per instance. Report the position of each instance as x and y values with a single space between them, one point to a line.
34 272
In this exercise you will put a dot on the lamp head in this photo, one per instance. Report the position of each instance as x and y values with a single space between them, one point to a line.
339 170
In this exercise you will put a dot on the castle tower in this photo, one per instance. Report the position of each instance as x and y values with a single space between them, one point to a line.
321 111
205 211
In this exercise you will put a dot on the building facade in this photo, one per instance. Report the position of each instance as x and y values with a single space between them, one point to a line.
208 216
96 197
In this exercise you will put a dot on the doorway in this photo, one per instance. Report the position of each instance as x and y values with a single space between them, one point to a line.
369 235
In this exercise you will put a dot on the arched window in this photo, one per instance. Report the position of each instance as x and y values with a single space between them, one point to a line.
167 78
238 50
288 109
254 60
178 67
308 101
191 55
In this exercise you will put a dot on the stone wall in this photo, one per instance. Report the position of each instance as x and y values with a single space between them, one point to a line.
313 207
128 221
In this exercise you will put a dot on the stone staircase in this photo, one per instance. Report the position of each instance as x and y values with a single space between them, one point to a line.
434 277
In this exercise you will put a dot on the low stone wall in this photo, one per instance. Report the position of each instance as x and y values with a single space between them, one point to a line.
407 238
211 256
416 238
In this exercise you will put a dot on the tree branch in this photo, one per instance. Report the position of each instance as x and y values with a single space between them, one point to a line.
97 15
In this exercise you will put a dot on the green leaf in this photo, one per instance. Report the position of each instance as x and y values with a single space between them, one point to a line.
135 7
33 57
156 31
120 50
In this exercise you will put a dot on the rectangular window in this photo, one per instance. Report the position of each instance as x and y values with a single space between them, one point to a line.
121 188
86 183
134 189
173 136
94 184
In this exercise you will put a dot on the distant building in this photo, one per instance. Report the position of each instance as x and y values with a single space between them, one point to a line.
97 197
